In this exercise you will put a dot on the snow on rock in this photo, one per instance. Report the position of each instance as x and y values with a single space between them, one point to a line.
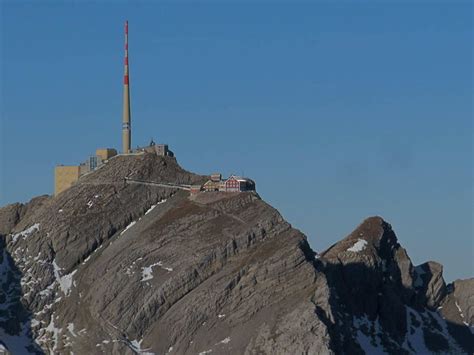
463 318
148 270
153 206
128 270
128 227
358 246
65 282
70 327
415 340
136 346
370 343
459 309
51 328
414 337
131 224
225 341
27 232
86 259
221 316
16 344
444 331
150 209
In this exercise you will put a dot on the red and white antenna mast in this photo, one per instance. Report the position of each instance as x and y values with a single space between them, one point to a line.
126 123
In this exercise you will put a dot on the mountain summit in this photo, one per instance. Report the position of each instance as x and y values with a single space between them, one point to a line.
118 268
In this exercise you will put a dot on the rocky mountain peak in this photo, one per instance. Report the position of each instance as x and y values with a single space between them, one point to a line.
373 252
372 240
113 267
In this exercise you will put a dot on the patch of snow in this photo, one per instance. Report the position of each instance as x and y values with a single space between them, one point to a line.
65 282
86 259
225 341
370 343
47 291
205 352
27 232
358 246
148 270
128 270
220 316
414 340
150 209
60 210
459 309
128 227
52 329
153 206
445 332
105 341
136 346
70 327
16 344
463 318
90 204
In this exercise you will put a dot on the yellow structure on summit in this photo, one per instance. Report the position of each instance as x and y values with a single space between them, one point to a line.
64 177
105 153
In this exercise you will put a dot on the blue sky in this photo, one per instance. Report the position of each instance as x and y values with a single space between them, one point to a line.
339 110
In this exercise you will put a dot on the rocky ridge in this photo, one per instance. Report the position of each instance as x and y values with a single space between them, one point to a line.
108 267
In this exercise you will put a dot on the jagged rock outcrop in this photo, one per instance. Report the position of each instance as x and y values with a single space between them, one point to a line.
430 283
11 215
118 268
462 292
387 300
458 309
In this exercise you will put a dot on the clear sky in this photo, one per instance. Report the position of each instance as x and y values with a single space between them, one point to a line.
338 110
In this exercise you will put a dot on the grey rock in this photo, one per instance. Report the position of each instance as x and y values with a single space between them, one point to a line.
110 267
430 283
463 292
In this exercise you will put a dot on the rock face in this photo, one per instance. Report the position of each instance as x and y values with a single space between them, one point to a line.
108 267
